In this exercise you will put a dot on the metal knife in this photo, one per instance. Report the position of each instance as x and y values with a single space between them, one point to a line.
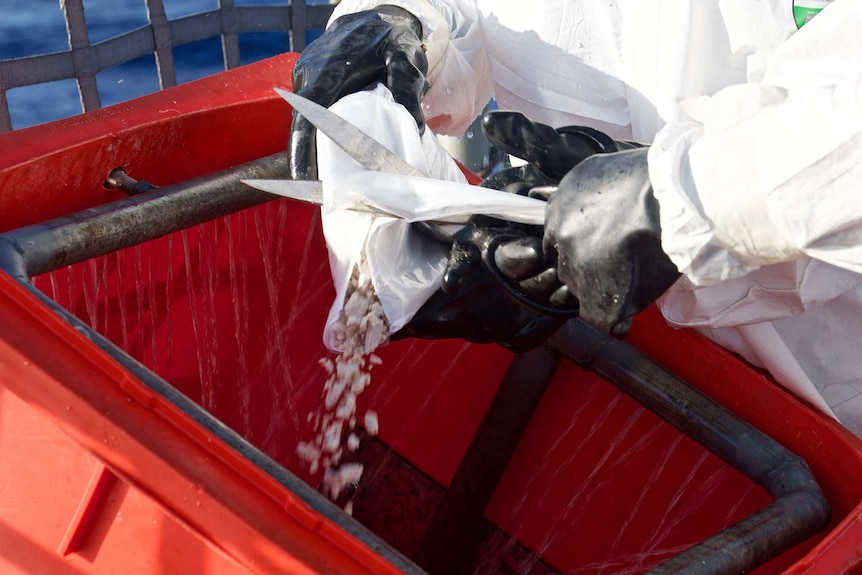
364 149
371 155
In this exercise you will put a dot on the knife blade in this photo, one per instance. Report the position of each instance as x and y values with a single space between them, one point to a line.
373 156
368 152
310 191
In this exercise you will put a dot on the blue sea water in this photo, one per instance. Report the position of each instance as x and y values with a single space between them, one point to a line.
29 27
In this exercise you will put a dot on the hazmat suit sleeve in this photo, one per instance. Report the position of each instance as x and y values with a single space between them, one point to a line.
458 72
770 172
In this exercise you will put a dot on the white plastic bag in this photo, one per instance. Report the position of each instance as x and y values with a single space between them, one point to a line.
404 269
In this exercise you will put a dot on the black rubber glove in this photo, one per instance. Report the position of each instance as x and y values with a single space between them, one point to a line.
553 151
603 224
382 45
471 304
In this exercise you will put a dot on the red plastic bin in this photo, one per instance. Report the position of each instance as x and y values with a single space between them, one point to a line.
100 473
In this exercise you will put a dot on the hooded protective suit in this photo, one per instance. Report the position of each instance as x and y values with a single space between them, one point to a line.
755 123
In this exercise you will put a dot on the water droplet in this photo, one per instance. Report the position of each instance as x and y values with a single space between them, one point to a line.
448 90
347 63
469 135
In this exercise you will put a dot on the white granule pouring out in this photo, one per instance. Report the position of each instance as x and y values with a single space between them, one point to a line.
361 328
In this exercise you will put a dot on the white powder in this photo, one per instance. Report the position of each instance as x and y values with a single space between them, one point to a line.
371 422
352 442
361 328
335 480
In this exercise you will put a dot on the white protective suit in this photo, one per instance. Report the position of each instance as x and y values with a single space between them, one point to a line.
756 157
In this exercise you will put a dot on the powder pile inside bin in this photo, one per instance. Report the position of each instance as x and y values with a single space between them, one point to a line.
361 328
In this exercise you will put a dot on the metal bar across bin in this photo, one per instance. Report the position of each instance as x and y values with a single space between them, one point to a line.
800 509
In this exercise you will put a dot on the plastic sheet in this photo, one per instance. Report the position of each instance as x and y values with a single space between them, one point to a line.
404 269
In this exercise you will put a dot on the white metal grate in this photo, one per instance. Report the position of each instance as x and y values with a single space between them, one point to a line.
84 60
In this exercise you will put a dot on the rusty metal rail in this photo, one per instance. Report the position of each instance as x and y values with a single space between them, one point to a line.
799 509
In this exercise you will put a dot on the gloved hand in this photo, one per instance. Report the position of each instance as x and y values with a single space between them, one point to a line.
471 304
603 224
553 151
357 50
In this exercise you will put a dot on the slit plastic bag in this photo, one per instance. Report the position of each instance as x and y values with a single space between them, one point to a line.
405 269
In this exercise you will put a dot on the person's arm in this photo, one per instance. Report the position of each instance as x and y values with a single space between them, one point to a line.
770 172
763 173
